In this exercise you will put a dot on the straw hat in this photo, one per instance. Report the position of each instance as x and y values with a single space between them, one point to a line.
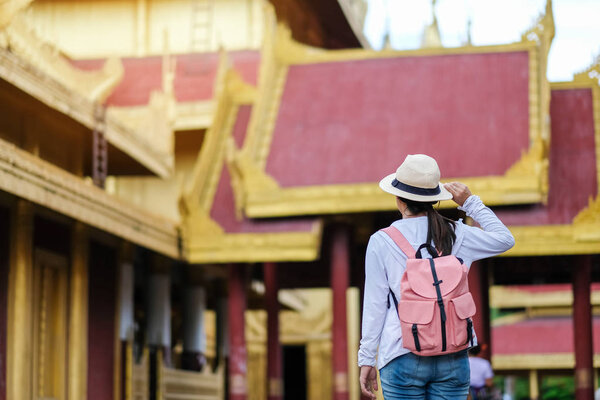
418 179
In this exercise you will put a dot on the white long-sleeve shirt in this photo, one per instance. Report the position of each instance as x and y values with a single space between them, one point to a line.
385 264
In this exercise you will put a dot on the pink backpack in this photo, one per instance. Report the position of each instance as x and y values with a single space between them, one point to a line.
435 307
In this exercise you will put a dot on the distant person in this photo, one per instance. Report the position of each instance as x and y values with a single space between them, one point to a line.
421 229
482 375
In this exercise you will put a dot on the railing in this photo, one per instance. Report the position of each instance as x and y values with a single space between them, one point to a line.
177 384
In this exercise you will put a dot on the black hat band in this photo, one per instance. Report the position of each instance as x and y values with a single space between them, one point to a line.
416 190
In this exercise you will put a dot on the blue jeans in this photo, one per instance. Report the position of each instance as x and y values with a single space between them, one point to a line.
410 376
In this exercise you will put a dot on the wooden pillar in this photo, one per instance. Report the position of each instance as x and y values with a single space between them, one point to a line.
20 282
534 385
339 284
274 359
158 322
194 336
478 285
221 328
159 309
582 328
236 324
78 308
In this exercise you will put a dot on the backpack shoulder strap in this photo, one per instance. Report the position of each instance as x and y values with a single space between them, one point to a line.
400 241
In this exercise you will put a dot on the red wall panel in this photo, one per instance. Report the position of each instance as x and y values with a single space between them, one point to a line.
572 171
572 154
355 121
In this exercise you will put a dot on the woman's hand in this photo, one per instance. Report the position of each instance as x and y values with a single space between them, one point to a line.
460 192
368 381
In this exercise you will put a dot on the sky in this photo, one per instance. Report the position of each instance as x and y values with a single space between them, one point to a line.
577 26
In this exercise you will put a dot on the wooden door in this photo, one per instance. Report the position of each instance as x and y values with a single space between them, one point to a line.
50 313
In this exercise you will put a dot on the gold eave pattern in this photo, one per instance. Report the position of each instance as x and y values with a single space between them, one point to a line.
254 247
511 297
35 83
555 240
537 361
193 115
525 182
334 199
28 177
204 239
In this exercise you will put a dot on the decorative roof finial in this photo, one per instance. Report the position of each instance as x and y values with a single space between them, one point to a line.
590 73
431 34
469 41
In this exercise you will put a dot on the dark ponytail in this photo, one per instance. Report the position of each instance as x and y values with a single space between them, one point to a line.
440 230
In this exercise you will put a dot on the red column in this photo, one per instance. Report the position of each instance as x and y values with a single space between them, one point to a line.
237 344
478 285
274 360
339 284
582 329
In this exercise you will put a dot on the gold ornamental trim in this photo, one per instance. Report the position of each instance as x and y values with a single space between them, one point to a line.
511 297
255 247
554 240
334 199
193 115
545 361
28 177
525 182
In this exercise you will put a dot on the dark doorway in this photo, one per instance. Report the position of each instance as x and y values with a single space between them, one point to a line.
294 372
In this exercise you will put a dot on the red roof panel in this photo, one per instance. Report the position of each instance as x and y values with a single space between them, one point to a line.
355 121
539 336
194 76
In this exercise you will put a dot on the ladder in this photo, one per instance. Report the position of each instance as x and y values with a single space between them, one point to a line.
201 25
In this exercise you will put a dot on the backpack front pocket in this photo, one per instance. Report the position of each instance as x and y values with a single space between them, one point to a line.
419 329
460 311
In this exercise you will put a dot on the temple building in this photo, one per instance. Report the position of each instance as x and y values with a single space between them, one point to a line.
187 189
